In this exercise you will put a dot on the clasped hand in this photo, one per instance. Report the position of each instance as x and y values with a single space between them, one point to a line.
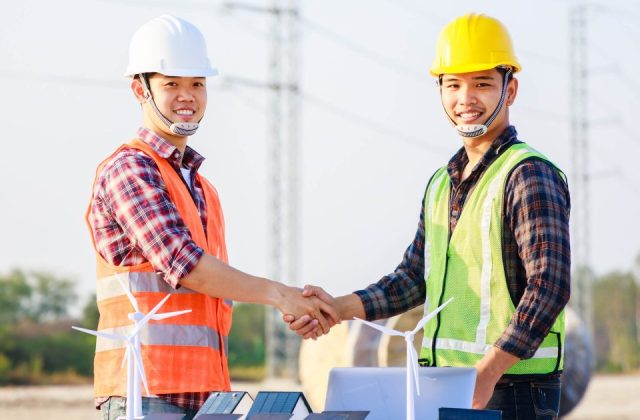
320 315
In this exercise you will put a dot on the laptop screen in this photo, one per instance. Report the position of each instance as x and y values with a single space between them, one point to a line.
382 391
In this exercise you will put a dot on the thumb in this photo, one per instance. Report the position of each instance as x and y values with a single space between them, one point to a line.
288 318
310 291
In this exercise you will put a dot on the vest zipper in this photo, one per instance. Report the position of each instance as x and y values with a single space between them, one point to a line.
435 334
444 286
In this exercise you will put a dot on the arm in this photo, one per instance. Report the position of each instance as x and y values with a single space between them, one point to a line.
215 278
136 197
537 215
489 370
391 295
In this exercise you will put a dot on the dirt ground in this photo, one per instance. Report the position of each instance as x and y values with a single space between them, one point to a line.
608 397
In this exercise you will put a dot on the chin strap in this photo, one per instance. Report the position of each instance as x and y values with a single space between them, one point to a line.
179 128
477 130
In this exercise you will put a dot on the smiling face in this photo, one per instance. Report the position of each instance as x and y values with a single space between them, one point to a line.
179 99
471 98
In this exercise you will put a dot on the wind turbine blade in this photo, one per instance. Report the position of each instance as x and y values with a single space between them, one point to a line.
165 315
147 317
414 366
132 299
380 327
124 359
430 315
140 368
101 334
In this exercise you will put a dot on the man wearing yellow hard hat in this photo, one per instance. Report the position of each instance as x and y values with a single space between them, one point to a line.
493 233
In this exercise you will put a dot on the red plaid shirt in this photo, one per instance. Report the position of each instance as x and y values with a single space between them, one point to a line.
133 220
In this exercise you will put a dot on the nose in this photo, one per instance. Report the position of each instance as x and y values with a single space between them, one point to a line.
466 95
186 95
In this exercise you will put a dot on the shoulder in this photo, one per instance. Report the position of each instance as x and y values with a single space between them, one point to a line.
127 160
539 178
536 169
126 166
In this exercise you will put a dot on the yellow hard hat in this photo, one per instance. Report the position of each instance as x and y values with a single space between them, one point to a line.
473 42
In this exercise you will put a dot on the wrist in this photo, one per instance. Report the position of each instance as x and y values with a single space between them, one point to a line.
350 306
275 295
495 363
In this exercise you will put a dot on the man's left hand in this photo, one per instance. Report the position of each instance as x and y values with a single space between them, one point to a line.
489 370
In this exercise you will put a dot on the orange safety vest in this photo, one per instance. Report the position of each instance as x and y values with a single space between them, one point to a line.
186 353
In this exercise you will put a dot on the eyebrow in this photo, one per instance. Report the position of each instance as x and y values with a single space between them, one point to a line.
453 79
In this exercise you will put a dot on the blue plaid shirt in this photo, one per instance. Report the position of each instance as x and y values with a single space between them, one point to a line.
538 272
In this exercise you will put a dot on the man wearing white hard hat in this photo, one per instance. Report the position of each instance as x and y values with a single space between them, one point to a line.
157 229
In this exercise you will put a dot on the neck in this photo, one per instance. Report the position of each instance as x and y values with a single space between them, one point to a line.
476 147
153 124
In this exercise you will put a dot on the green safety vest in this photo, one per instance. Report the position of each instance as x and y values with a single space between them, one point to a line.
469 268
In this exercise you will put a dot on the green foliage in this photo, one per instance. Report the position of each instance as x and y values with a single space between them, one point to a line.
15 292
247 341
616 312
5 369
36 339
90 314
38 296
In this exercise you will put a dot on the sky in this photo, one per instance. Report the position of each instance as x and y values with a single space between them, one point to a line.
372 126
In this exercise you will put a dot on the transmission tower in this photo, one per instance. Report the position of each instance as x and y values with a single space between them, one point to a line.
284 176
283 172
580 213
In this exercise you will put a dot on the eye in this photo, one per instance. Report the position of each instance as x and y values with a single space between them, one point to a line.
452 86
199 84
171 84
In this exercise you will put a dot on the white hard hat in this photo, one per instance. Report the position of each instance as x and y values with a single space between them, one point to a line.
171 46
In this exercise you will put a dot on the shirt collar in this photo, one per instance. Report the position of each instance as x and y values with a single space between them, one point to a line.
166 150
460 159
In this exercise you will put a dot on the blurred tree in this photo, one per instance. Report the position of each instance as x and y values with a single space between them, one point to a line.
51 296
38 296
247 337
15 293
615 327
90 314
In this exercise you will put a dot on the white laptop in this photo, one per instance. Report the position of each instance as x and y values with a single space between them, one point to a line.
382 391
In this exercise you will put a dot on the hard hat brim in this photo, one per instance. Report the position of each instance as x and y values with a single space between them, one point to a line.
437 71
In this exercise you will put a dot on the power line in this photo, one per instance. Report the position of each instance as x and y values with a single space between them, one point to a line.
199 5
415 11
64 79
371 125
344 42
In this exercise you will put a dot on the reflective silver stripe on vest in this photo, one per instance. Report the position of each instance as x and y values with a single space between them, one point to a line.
164 334
109 287
471 347
487 261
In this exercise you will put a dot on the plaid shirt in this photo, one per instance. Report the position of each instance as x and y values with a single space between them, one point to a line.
537 272
133 221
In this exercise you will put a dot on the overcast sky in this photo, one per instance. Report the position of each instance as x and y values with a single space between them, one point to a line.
373 130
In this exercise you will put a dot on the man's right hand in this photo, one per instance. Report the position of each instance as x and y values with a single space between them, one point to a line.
315 309
305 326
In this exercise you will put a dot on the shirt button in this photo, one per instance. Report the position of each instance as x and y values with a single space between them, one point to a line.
176 155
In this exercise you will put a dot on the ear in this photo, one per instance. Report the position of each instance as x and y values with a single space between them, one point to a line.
512 91
138 90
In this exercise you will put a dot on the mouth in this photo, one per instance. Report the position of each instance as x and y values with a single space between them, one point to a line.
469 117
184 114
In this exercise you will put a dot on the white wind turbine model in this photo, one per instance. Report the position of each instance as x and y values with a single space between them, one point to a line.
412 355
135 367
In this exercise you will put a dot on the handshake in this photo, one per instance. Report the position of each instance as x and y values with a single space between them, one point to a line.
311 312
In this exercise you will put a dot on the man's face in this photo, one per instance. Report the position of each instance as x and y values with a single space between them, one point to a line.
471 98
180 99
